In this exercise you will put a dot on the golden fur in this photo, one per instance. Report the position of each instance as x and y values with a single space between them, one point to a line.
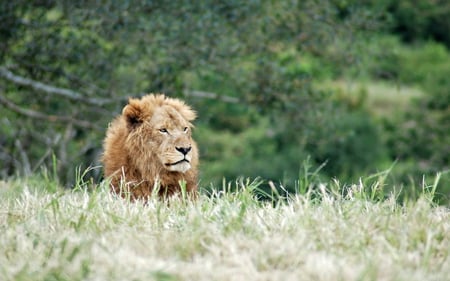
150 146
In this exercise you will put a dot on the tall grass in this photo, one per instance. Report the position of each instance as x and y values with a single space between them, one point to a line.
320 233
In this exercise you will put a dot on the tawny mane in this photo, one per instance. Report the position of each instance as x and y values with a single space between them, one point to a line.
150 146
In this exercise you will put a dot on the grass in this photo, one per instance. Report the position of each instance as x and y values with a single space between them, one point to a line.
382 99
319 234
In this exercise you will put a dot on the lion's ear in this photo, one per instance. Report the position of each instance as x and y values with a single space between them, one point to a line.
133 113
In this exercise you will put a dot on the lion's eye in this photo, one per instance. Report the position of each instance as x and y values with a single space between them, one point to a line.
186 129
164 131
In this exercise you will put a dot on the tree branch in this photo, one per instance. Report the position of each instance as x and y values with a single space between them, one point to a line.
209 95
38 115
72 95
75 96
26 166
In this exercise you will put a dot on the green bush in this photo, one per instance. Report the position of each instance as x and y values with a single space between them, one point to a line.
420 20
349 143
424 64
427 121
229 155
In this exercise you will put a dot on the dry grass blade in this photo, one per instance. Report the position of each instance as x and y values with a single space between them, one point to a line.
80 235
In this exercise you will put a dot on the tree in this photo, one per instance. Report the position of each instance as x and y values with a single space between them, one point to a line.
67 68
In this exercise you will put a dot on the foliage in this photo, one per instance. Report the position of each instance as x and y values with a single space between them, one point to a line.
418 135
426 121
345 138
97 54
255 71
421 20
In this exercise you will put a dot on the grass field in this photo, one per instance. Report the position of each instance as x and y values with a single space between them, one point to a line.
55 234
381 99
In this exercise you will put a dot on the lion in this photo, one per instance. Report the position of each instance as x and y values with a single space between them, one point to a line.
149 149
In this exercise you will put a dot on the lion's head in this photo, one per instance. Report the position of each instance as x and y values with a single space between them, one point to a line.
150 144
160 128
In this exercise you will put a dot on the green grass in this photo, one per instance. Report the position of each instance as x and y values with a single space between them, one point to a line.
382 99
86 234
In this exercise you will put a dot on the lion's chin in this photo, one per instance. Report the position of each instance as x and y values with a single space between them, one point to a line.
182 166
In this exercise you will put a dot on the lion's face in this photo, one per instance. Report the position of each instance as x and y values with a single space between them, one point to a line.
172 136
160 129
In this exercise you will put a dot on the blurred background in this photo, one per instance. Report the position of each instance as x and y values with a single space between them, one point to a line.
342 88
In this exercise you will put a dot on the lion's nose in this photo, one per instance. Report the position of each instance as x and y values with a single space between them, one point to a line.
184 150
